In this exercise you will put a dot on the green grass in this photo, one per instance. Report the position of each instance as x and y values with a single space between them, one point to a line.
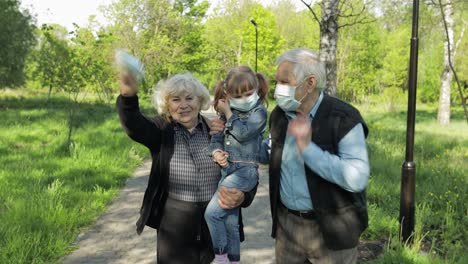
47 191
441 156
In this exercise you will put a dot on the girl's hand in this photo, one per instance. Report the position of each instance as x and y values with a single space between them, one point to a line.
223 107
221 157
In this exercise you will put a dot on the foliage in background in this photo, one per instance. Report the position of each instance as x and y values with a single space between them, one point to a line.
16 40
297 28
359 61
227 49
96 50
165 35
179 36
48 60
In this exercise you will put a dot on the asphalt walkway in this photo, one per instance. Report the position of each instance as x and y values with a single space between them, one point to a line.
113 239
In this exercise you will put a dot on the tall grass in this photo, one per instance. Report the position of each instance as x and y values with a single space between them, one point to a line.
47 190
441 157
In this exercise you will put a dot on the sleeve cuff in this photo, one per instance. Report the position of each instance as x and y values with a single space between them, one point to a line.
229 122
128 102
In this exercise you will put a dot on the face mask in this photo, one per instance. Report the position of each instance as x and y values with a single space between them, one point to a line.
244 104
284 95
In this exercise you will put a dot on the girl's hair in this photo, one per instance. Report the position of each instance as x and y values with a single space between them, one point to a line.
175 86
239 80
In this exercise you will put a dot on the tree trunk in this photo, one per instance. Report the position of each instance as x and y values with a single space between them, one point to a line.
328 41
70 128
443 116
50 91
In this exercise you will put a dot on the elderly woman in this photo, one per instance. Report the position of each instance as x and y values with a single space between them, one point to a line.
183 178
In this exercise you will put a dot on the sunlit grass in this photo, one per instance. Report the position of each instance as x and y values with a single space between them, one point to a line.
441 157
48 191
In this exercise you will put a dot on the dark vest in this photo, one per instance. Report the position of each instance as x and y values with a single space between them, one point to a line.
342 215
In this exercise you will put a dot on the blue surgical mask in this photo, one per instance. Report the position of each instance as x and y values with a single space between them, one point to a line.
284 95
244 104
130 64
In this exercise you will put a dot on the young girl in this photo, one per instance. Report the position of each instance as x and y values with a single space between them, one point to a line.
239 100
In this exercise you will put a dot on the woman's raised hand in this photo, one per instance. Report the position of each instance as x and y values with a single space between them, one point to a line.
128 84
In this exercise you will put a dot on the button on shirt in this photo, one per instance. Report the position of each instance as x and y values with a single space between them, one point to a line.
348 169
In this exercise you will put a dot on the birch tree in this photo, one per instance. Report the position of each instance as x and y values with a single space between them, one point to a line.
448 73
328 41
443 115
331 10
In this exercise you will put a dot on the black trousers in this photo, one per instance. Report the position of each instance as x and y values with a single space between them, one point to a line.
183 236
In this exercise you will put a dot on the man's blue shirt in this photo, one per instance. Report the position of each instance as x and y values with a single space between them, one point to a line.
349 168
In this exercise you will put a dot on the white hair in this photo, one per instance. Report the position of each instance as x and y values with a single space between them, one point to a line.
178 85
305 62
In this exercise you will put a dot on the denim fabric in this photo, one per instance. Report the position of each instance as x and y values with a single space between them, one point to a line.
242 139
224 224
239 175
242 135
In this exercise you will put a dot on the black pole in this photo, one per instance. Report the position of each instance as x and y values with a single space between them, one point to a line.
256 42
407 207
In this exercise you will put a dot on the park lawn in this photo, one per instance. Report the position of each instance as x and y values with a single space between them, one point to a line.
48 192
441 157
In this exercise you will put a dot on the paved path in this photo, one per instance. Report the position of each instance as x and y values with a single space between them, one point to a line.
113 239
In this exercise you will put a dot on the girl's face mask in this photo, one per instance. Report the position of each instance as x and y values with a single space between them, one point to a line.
244 104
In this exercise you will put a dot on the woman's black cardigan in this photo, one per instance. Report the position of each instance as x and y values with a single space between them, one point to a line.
158 135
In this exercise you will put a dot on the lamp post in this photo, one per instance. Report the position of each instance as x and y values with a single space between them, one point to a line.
256 41
408 170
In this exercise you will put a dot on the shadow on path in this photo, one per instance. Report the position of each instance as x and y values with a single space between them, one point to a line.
113 239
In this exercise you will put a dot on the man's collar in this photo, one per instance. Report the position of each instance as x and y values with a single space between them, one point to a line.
316 106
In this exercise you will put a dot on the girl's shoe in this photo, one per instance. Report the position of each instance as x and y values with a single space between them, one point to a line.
221 259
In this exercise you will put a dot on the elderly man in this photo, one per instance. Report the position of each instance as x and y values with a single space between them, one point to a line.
319 166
